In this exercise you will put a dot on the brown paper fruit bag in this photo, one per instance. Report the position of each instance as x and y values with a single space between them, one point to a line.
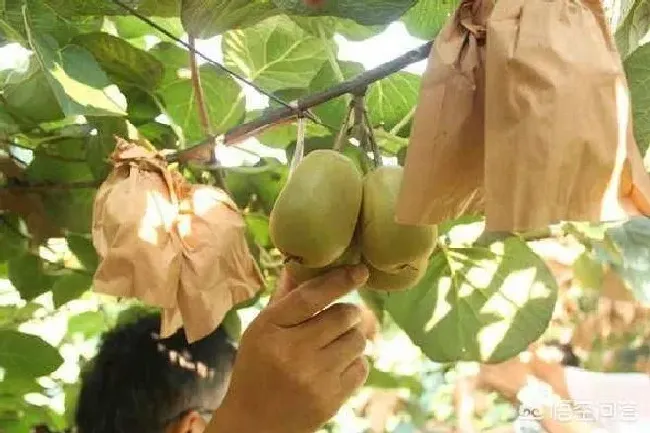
218 270
558 142
134 216
443 172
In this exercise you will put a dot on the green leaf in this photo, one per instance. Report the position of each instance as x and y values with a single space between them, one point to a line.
70 286
276 54
29 97
77 81
353 31
26 273
232 325
27 355
45 17
12 242
45 168
588 271
260 184
369 12
207 18
634 25
71 209
102 144
8 124
258 227
131 27
391 102
159 8
82 247
88 324
224 101
71 401
173 57
284 135
332 73
477 304
386 380
633 241
13 316
427 17
326 27
636 69
124 63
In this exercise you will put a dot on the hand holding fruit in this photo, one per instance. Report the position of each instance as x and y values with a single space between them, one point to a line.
299 360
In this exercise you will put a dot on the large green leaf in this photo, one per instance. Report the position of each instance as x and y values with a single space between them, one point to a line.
426 18
159 8
45 17
276 53
369 12
207 18
331 73
124 63
391 102
79 84
476 303
27 355
633 26
326 27
632 239
29 97
27 275
224 102
637 70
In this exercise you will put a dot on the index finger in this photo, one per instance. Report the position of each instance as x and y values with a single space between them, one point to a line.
314 295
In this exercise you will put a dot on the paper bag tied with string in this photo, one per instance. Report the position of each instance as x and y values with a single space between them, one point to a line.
134 214
171 244
218 270
558 143
443 172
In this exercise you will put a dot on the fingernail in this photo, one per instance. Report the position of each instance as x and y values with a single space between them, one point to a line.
359 274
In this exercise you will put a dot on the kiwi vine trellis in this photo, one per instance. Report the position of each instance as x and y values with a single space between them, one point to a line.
288 110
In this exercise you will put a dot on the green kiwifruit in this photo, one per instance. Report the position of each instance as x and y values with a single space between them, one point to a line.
402 279
315 215
386 244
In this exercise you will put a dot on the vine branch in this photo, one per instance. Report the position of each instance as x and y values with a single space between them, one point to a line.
286 114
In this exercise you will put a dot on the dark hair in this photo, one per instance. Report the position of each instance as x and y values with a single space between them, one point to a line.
139 383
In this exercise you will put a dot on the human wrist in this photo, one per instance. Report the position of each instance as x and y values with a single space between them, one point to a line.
231 417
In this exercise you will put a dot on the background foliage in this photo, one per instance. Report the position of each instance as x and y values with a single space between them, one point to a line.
91 71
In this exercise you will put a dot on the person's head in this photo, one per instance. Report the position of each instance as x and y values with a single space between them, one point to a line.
140 383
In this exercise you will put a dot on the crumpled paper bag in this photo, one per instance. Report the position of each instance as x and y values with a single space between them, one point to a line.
134 213
558 142
443 171
218 270
171 244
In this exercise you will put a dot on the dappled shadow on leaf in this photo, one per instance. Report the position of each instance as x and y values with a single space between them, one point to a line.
477 304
